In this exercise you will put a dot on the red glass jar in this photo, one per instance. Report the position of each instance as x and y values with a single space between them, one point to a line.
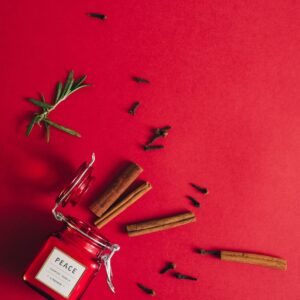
71 258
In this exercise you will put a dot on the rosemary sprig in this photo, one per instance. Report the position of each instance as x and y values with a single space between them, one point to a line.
63 91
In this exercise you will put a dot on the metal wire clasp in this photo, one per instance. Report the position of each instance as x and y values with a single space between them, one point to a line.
107 264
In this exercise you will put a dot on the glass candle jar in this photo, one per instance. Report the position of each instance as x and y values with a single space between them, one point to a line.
71 258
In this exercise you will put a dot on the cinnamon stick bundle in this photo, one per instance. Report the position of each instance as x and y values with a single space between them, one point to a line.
131 198
116 189
160 224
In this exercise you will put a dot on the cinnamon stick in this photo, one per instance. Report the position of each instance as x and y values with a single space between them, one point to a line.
255 259
160 224
141 190
247 258
116 189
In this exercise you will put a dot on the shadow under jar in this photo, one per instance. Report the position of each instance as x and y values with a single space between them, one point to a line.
71 258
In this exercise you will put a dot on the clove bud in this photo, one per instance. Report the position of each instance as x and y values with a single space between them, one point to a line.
98 16
183 276
194 201
169 266
134 107
146 290
152 147
158 133
200 189
140 79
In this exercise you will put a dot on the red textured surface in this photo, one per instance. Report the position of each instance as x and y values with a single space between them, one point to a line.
224 74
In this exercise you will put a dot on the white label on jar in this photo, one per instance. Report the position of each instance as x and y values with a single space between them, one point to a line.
60 272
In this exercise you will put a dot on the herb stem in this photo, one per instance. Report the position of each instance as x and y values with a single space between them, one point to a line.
62 128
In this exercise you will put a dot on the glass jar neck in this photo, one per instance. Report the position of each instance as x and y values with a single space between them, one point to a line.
75 238
84 237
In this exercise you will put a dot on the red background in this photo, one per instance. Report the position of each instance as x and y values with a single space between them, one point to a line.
224 74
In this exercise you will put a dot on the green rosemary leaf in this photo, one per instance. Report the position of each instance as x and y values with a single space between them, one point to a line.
78 88
68 85
63 90
62 128
44 101
78 82
58 92
47 126
31 124
39 103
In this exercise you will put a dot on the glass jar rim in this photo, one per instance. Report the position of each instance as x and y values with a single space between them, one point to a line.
87 231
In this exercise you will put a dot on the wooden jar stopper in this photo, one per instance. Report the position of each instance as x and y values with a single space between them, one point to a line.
116 189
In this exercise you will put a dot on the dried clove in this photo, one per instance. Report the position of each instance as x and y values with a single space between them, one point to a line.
158 133
215 253
152 147
194 201
202 251
153 139
163 131
133 108
200 189
169 266
140 79
182 276
98 16
146 290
